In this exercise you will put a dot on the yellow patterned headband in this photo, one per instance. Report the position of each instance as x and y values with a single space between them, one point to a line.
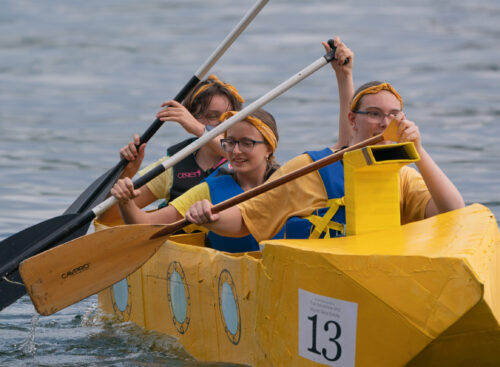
214 80
265 130
373 90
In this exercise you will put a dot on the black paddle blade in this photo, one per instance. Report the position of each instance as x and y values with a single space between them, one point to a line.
18 247
11 289
98 191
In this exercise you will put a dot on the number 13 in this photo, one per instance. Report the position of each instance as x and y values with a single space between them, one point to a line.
326 327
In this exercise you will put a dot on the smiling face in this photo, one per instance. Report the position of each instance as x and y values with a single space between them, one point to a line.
366 126
253 163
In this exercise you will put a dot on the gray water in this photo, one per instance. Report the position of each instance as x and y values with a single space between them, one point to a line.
78 78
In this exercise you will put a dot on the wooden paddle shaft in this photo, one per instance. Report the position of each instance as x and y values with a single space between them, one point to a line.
390 133
334 157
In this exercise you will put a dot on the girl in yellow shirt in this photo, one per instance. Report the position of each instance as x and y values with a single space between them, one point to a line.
373 106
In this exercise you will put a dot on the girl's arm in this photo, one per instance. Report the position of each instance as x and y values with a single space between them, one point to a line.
135 157
343 73
227 223
175 111
131 201
131 213
444 194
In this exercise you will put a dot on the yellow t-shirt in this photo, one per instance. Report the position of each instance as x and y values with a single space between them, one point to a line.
413 195
266 214
194 194
161 185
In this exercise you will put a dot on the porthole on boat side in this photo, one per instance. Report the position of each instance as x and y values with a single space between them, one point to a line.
178 296
120 299
229 307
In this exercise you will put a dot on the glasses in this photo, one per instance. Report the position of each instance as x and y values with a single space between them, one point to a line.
246 145
378 115
211 118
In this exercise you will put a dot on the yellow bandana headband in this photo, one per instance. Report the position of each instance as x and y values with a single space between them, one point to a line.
214 80
265 130
373 90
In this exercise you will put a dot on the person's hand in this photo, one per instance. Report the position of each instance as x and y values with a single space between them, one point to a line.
341 54
201 213
124 190
408 131
174 111
133 155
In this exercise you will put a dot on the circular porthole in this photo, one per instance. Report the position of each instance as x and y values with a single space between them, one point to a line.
178 296
229 307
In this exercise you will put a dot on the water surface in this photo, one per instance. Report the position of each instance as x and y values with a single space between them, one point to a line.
78 78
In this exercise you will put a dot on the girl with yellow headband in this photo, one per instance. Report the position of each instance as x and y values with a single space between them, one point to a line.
200 111
297 209
250 145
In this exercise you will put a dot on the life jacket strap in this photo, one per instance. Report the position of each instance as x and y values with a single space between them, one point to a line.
324 224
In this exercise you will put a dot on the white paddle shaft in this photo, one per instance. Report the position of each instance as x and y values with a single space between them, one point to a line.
198 143
230 38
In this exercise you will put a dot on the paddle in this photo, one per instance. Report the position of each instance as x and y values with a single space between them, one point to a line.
77 218
71 272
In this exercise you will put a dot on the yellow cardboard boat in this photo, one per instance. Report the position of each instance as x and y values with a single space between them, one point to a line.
422 294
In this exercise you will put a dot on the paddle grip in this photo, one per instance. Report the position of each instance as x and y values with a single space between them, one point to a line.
334 48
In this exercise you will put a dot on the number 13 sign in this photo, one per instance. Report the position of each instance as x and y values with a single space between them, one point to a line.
327 329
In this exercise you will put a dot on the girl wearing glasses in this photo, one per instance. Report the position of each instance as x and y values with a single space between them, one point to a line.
291 207
199 112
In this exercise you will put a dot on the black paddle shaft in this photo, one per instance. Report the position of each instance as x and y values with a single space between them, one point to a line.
99 189
157 123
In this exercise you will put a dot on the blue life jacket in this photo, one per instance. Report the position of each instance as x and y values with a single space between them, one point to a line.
223 187
325 222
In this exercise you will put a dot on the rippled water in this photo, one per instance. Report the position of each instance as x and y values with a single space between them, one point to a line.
78 78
